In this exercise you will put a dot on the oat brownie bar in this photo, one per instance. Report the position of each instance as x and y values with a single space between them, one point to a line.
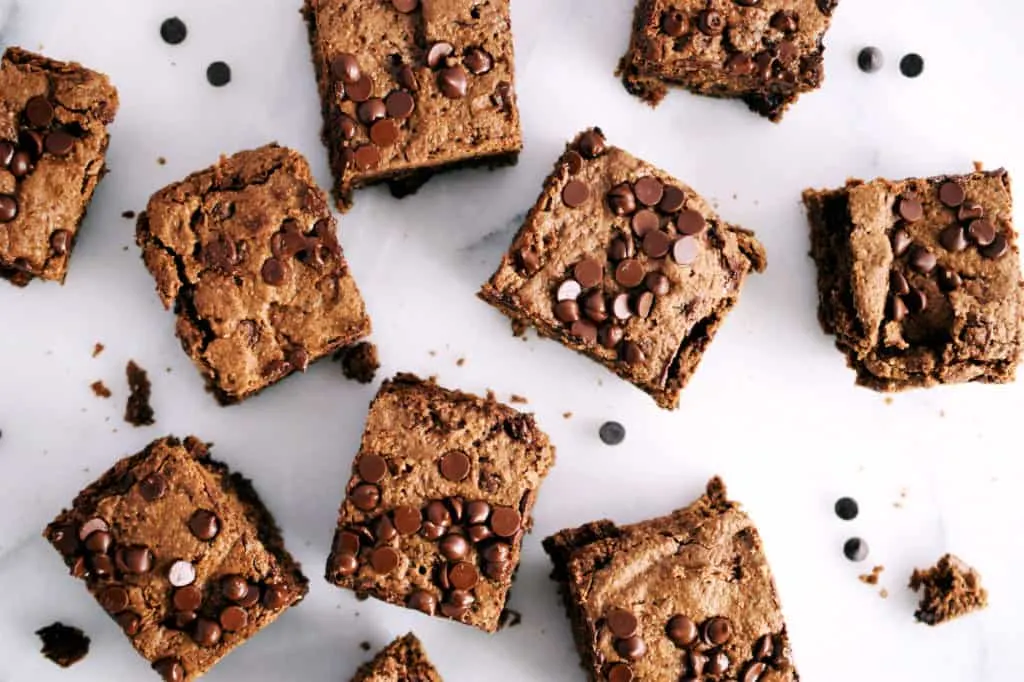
620 261
181 553
441 494
404 660
919 280
53 143
688 596
765 52
246 253
409 88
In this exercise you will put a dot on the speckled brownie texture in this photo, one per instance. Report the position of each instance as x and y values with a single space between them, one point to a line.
765 52
620 261
181 553
949 589
440 497
410 88
919 280
53 143
687 596
247 254
404 660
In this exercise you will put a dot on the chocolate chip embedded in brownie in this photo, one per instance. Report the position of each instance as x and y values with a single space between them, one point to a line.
181 553
439 500
949 589
65 645
247 254
404 660
410 88
53 145
765 52
919 280
622 262
688 596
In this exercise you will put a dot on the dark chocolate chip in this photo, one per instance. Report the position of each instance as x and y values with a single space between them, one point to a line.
361 90
187 598
365 497
453 547
39 112
644 221
345 564
478 61
588 272
656 244
648 190
407 520
114 599
855 549
218 74
384 560
135 559
981 232
612 433
717 631
345 67
479 533
170 669
948 279
870 60
609 335
273 272
367 156
384 529
206 632
953 238
900 241
130 623
438 53
455 465
909 208
718 662
674 23
477 511
681 630
916 300
463 576
764 648
619 672
276 597
573 161
567 311
657 283
672 199
405 6
785 21
423 601
847 508
233 618
632 354
372 468
711 22
912 65
643 303
594 307
234 587
592 144
753 672
6 153
997 249
622 623
575 193
631 647
153 487
8 208
406 77
453 82
621 199
399 104
173 31
371 110
740 64
969 211
505 521
621 247
922 260
951 194
59 143
629 273
204 524
897 309
691 223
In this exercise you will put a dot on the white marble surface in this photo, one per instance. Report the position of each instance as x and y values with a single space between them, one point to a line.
772 409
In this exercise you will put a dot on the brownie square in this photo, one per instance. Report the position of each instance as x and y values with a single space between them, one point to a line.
247 254
765 52
439 500
181 553
620 261
53 145
688 596
404 660
410 88
919 280
949 589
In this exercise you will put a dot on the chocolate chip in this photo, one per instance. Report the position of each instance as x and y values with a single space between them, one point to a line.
657 283
592 144
114 599
39 112
59 143
621 199
870 60
399 104
897 309
948 279
619 672
717 631
573 161
477 511
273 272
643 303
900 241
218 74
685 250
740 64
588 272
629 273
981 232
718 662
276 597
567 311
455 465
405 6
233 618
479 533
345 564
367 156
672 199
457 604
360 90
682 631
478 61
847 508
463 576
528 261
8 208
621 248
922 260
632 354
648 190
711 22
187 598
909 208
691 223
21 164
130 623
65 540
953 238
136 560
612 433
365 497
622 623
372 468
569 290
912 65
181 573
674 23
631 647
407 520
153 487
969 211
505 521
610 335
423 601
99 542
855 549
916 300
575 193
438 513
384 560
91 526
31 142
656 244
234 587
6 153
453 82
754 672
594 307
764 648
206 633
204 524
371 110
951 194
644 221
785 21
345 67
438 53
173 31
406 78
102 566
997 249
696 660
170 669
453 547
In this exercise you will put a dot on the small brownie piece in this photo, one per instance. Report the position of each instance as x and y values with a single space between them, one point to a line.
65 645
950 589
247 254
53 145
765 52
919 280
404 660
409 88
625 264
440 496
181 553
687 596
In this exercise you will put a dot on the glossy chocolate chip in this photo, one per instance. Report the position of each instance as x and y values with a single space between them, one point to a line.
621 308
997 249
170 669
6 153
951 194
672 199
137 560
478 61
588 272
505 521
900 241
8 208
477 511
372 468
916 300
204 524
384 560
656 244
629 273
711 22
345 67
981 232
631 647
969 211
632 354
648 190
99 542
453 82
753 672
276 597
657 283
365 497
130 623
644 221
855 549
909 208
621 199
234 587
361 89
453 547
567 311
594 307
575 193
922 260
371 110
953 238
21 164
717 631
423 601
114 599
463 576
59 143
643 303
153 487
591 144
455 465
366 156
39 112
187 598
407 520
621 622
681 631
206 632
870 60
233 618
718 662
619 672
399 104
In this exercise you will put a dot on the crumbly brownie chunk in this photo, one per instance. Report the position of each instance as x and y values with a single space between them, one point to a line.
411 88
53 144
919 280
625 264
404 660
359 362
687 596
181 553
765 52
247 254
949 589
439 500
65 645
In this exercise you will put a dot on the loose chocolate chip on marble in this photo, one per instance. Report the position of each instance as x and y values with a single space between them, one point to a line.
897 309
218 74
674 23
997 249
59 143
153 487
855 549
909 208
91 526
181 573
711 22
648 190
8 208
681 631
588 272
612 433
912 65
592 144
170 669
619 672
691 223
455 465
643 303
672 199
478 61
594 307
204 524
900 241
114 599
371 110
39 112
718 662
916 300
632 354
717 631
187 598
656 244
233 618
453 82
505 521
922 260
21 164
273 272
569 290
365 497
631 647
6 153
405 6
685 250
276 597
206 632
621 308
629 273
567 311
753 672
130 623
423 601
345 67
372 468
384 560
136 559
621 199
846 509
463 576
407 520
951 194
981 232
870 60
173 31
234 587
575 193
644 221
969 211
399 104
953 238
948 279
657 283
621 622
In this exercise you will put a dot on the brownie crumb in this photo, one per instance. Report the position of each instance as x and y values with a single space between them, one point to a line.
567 415
161 160
519 328
359 362
97 349
138 411
978 166
872 577
460 362
365 646
883 593
888 400
65 645
128 214
950 589
516 398
509 618
100 389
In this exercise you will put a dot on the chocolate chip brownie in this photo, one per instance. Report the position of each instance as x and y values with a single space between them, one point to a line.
411 88
620 261
181 553
919 280
247 254
765 52
949 589
404 660
53 144
687 596
439 500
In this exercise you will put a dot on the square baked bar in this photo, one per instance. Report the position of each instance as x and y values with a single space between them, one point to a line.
246 253
919 280
620 261
411 87
404 660
181 553
440 497
53 145
687 596
765 52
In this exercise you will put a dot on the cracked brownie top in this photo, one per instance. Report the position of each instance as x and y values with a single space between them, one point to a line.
247 254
